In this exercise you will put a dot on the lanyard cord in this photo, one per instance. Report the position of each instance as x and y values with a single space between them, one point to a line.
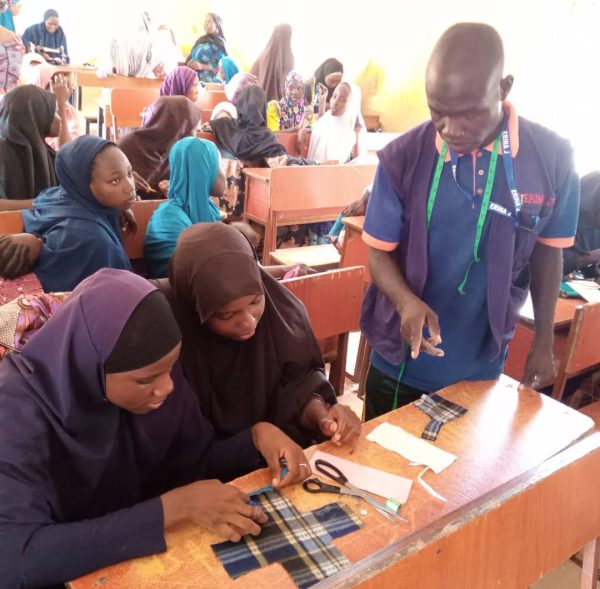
485 204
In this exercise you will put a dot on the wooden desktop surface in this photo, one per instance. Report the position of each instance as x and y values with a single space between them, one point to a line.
504 435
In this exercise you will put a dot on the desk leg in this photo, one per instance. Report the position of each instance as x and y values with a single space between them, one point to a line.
337 369
100 121
589 567
79 98
270 240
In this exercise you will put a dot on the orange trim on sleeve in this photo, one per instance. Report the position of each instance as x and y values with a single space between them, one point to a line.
560 242
379 244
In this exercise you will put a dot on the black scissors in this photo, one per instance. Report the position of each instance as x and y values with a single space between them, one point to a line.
331 471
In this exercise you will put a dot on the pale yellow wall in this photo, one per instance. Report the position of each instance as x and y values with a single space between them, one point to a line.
552 48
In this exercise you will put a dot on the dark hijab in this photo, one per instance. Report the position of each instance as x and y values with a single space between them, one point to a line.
247 138
587 237
268 377
169 119
274 63
26 160
67 454
218 39
80 235
329 66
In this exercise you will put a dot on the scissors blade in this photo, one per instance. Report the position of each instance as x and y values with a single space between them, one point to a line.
375 503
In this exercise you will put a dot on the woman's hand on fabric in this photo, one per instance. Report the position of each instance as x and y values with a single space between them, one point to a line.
341 425
222 509
277 448
18 254
128 222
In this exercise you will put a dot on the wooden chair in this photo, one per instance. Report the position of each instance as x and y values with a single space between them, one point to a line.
332 300
300 194
582 350
12 222
127 105
207 100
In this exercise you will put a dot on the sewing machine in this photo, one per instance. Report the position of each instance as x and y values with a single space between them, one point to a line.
54 56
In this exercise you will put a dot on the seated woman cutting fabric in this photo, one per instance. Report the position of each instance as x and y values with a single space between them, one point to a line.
102 448
79 222
195 176
248 349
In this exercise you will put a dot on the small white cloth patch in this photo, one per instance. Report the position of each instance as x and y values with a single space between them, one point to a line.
414 449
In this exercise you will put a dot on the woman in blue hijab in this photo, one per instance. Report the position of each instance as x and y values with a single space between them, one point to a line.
195 176
227 69
79 221
50 34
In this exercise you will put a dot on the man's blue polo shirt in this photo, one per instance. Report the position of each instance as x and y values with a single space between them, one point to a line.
463 318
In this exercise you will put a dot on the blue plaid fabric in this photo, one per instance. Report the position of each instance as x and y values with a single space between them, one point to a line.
301 542
440 410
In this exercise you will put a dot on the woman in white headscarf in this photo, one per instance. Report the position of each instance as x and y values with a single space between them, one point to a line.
133 51
335 137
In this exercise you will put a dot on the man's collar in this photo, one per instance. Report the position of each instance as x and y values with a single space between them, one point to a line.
513 131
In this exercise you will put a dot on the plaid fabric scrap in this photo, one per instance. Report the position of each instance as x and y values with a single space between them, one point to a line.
301 542
440 410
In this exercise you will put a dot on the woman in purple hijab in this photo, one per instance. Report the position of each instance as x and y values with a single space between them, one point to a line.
102 443
182 81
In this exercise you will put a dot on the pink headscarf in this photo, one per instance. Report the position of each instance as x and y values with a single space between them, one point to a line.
179 82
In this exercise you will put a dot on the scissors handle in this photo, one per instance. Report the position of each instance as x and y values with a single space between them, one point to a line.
331 471
317 486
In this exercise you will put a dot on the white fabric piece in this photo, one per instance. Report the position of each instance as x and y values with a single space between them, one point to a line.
414 449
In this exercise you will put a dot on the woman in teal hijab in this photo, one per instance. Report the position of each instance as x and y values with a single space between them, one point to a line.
195 175
227 69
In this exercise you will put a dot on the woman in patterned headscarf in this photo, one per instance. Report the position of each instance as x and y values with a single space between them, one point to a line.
288 113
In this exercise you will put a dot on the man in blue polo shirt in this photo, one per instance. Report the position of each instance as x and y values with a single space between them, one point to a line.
467 212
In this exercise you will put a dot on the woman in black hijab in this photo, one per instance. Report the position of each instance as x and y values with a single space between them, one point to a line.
27 116
248 348
101 440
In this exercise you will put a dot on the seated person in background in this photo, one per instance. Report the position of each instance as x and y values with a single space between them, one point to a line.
27 116
248 349
290 113
133 51
248 140
319 91
166 121
49 34
274 63
585 254
102 448
80 220
49 77
195 175
334 137
182 81
12 47
237 84
227 69
208 50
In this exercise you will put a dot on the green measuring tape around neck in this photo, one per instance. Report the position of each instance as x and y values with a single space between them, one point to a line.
485 202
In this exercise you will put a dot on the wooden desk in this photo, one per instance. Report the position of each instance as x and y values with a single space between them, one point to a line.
355 252
319 257
519 347
516 506
300 194
86 77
